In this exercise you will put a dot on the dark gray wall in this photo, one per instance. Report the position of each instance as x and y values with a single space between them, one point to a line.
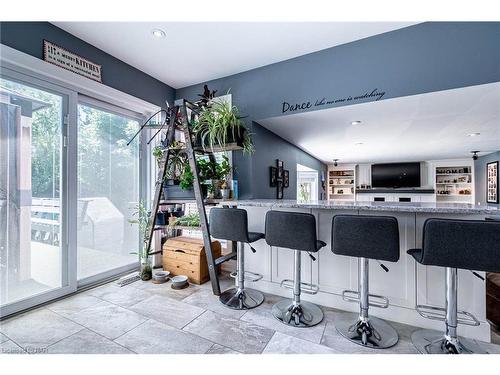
28 37
480 176
427 57
252 172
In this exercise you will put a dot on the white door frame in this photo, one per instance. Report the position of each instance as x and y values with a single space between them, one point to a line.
67 222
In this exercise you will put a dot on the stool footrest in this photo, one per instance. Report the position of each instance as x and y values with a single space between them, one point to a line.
374 300
439 313
249 276
307 288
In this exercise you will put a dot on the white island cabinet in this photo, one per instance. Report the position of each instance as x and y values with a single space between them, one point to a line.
334 273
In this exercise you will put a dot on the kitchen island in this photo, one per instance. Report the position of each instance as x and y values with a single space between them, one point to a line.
403 284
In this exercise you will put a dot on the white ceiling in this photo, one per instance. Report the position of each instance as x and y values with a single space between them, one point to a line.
414 128
196 52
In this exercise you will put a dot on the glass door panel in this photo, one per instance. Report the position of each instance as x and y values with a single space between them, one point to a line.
33 258
108 191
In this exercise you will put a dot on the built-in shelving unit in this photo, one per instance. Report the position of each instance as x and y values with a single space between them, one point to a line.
454 184
342 183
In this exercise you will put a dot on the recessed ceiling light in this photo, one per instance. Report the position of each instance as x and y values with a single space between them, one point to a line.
357 122
359 144
473 134
158 33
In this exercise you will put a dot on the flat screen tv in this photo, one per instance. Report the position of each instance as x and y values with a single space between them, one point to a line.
396 175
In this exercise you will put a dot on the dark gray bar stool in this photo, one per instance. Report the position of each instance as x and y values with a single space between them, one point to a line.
297 231
366 237
454 244
231 224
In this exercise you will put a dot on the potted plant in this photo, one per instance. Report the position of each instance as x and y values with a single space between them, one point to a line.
219 125
179 176
225 191
211 191
141 218
176 161
223 169
157 152
191 220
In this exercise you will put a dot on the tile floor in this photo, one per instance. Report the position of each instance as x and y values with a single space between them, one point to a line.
146 318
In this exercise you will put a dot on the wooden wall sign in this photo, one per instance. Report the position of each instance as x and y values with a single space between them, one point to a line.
61 57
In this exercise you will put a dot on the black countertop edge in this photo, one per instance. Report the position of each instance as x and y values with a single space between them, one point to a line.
396 191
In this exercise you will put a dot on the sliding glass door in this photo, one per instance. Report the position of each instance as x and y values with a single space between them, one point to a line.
108 190
33 237
69 184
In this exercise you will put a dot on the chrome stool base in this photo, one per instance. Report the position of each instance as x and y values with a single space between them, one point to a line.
374 333
433 342
304 314
245 299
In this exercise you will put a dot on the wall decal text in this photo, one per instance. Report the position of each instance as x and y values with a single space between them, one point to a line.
294 107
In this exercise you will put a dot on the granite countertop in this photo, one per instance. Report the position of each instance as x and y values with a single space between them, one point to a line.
446 208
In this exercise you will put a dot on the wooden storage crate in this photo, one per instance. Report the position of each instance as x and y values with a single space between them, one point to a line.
186 256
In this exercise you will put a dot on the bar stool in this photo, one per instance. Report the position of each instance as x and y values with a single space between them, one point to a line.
366 237
231 224
454 244
297 231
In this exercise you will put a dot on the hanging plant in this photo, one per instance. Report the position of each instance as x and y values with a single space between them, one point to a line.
176 161
219 124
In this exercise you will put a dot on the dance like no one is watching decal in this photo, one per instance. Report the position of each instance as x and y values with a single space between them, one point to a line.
295 107
63 58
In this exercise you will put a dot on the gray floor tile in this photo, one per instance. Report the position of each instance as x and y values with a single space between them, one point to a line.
154 337
9 347
225 282
107 319
336 341
235 334
38 329
86 342
165 289
167 310
284 344
220 349
263 317
3 338
490 347
122 296
73 304
205 299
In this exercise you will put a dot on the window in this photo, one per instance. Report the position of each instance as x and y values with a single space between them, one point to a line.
307 183
108 190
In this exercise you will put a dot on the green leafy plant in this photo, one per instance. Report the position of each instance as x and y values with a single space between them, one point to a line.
191 220
140 217
220 123
207 169
158 152
176 161
186 177
223 168
303 193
